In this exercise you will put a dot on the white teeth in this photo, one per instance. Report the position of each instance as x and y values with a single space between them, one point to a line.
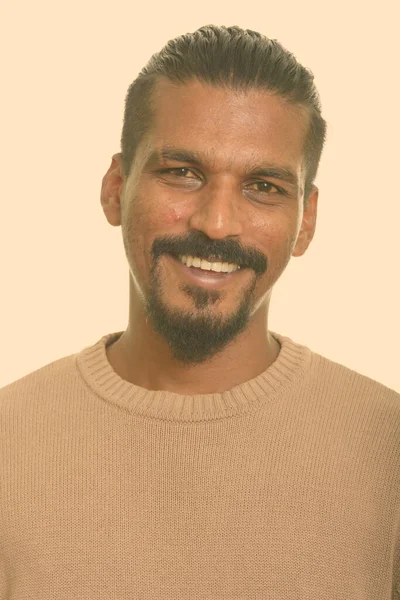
200 263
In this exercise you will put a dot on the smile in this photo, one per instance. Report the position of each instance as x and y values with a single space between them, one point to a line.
207 279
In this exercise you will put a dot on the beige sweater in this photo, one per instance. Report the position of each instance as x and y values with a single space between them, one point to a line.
286 487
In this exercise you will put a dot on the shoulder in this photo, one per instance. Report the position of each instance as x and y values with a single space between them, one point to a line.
39 387
346 384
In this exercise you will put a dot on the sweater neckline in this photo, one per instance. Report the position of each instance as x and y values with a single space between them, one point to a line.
281 376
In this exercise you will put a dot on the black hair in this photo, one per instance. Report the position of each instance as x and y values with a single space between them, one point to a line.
227 57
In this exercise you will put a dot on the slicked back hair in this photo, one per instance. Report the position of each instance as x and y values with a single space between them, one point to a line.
233 58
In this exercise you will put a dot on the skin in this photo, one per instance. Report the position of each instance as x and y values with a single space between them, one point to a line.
181 337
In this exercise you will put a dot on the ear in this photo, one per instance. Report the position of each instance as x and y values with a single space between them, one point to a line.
308 224
111 190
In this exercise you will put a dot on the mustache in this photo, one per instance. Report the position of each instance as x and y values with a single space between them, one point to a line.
214 251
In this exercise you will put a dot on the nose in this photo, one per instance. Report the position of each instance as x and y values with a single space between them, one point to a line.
218 210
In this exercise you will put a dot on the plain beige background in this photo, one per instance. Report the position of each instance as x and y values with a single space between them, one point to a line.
66 67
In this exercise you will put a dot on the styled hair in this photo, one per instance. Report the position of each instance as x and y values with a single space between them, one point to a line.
226 57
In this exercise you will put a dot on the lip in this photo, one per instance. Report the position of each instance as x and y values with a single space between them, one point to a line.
207 279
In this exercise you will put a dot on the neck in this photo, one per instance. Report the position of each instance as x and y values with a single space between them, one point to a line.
142 358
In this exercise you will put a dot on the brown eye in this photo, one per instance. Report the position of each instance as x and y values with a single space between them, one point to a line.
265 186
180 178
179 172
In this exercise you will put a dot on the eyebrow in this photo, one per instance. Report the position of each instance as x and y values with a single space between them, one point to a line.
282 173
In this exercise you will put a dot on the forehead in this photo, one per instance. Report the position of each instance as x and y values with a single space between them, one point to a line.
231 126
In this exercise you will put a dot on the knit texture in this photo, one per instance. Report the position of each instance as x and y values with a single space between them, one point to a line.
286 487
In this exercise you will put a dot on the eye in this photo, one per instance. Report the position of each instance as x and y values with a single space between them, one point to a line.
265 186
179 172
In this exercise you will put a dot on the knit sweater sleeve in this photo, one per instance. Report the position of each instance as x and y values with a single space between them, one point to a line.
396 562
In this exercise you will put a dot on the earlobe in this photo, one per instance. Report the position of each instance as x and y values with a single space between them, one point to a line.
112 210
308 224
301 244
110 192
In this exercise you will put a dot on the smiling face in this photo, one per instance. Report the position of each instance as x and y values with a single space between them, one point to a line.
219 176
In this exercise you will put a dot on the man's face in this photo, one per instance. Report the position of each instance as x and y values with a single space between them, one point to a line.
217 207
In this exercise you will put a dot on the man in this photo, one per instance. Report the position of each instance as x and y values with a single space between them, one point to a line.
198 454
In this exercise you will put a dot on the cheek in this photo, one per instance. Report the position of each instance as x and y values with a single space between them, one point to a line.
151 217
171 215
272 231
276 239
164 216
157 207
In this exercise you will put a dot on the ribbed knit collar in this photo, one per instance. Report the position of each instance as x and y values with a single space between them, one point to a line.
281 376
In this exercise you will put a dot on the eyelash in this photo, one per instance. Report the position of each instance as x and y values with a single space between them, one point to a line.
163 171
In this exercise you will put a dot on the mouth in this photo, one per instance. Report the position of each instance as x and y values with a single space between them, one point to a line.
207 279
